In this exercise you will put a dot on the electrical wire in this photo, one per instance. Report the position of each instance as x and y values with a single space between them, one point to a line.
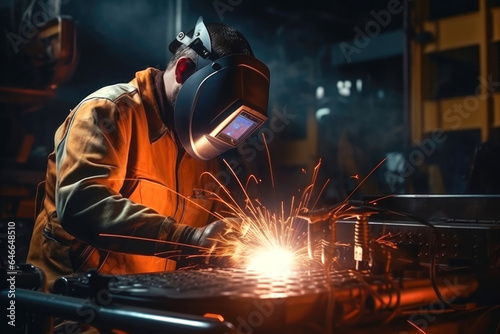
433 251
433 248
397 308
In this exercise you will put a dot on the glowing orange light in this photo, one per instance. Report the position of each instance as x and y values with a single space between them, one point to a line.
272 262
214 316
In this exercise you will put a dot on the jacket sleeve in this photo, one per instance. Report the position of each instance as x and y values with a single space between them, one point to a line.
91 158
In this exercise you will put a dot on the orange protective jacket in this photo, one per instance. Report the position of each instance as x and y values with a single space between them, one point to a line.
116 170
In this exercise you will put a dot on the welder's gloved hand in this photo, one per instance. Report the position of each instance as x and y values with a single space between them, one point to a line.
206 236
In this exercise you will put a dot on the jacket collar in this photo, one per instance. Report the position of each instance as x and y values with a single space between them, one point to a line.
144 81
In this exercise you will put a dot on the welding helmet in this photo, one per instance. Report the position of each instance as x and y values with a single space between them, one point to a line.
223 102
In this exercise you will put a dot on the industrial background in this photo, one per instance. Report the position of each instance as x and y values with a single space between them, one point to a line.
352 83
355 82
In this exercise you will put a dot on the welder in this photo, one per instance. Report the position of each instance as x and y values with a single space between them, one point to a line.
125 184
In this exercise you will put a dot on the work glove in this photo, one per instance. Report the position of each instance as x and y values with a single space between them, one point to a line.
206 236
195 243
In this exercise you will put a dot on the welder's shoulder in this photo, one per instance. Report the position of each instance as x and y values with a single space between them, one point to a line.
114 93
105 107
109 103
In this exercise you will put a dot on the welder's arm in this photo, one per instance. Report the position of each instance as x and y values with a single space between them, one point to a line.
91 159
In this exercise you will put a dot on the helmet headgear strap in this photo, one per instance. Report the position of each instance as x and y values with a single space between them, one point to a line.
200 42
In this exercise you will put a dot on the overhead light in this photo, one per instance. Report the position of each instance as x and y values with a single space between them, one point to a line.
322 112
359 85
344 87
320 93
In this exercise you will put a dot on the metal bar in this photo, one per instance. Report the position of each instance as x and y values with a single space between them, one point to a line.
130 318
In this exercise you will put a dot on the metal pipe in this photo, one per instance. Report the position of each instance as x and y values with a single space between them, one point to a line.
128 318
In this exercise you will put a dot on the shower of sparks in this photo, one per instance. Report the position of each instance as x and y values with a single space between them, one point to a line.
418 328
271 243
274 242
268 159
366 177
267 243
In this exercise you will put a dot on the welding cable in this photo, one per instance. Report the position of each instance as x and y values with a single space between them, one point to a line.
359 308
397 308
357 313
433 265
375 295
433 250
395 290
433 253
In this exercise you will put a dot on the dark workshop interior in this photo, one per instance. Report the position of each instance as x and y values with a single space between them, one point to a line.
378 167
